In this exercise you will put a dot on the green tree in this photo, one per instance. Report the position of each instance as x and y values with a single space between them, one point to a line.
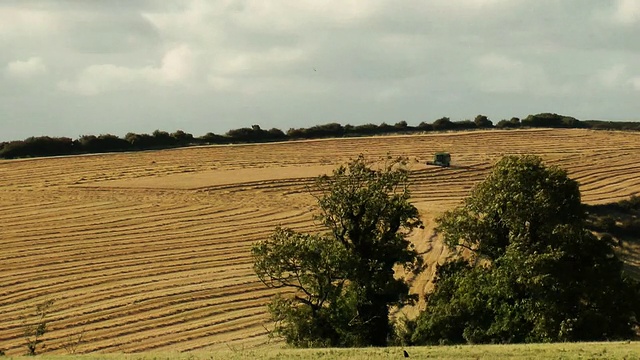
531 272
443 123
482 121
343 279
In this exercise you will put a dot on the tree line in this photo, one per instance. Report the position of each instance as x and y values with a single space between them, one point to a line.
53 146
526 266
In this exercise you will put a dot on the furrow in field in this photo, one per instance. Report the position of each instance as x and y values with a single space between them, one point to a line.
141 225
171 311
163 265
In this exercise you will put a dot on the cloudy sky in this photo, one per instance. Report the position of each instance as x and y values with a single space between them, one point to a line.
69 68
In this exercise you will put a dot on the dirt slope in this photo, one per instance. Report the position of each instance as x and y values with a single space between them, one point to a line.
150 250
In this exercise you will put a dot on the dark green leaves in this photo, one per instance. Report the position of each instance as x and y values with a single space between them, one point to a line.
342 280
534 274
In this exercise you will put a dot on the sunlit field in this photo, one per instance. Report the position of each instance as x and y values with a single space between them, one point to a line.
149 251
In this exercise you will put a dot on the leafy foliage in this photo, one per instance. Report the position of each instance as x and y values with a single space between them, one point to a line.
343 279
533 273
514 122
482 121
552 120
47 146
521 200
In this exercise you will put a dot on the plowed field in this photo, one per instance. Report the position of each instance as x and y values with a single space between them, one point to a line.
150 250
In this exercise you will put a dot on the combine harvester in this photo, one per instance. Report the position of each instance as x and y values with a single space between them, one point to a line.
441 159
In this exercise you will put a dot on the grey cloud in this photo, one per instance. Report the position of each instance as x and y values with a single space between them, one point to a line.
253 62
104 33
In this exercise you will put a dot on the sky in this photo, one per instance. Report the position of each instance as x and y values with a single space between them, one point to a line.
72 68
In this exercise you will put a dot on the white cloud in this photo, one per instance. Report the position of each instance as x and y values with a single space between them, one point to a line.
627 11
24 69
635 82
266 62
176 66
210 23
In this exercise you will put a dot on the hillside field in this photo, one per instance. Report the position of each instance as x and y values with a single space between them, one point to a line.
149 251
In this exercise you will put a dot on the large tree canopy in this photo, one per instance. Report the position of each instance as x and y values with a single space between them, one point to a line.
343 279
530 271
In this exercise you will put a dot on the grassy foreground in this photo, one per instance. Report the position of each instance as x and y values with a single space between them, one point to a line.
609 350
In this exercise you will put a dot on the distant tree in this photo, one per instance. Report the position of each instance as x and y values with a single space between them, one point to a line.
533 272
38 146
141 141
514 122
464 125
276 134
102 143
482 121
443 124
163 139
502 124
252 134
552 121
294 133
366 129
318 131
385 128
401 125
182 138
424 126
343 279
212 138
